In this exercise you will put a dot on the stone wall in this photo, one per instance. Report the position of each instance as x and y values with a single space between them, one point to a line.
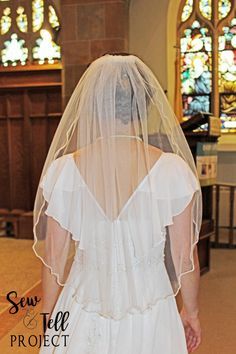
90 28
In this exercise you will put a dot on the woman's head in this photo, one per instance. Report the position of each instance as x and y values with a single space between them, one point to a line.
123 81
116 93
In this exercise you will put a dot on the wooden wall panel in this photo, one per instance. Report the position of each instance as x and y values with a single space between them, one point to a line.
38 150
15 104
18 176
30 110
44 116
4 164
42 131
2 105
52 126
37 102
54 101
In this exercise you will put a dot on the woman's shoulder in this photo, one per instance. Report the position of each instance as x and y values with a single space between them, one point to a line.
155 153
61 160
171 158
55 167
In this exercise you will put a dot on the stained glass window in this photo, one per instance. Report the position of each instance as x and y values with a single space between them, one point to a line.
14 52
46 49
40 45
224 7
205 8
187 10
21 19
6 20
53 19
196 69
203 46
37 14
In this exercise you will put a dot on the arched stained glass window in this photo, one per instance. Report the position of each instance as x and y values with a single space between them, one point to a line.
207 59
29 32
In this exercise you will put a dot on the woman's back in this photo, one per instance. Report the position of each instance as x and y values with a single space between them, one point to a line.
119 262
115 181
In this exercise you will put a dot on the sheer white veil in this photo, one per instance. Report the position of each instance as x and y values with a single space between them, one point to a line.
110 139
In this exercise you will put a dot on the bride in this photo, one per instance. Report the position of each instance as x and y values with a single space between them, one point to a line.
117 217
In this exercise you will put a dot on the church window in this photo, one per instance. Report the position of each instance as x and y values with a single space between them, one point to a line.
14 52
207 59
6 20
21 19
37 14
53 19
224 7
187 10
29 33
205 8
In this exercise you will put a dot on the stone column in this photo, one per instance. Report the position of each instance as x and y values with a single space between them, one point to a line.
90 28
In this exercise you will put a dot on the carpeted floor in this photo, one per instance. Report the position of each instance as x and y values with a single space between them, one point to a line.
20 271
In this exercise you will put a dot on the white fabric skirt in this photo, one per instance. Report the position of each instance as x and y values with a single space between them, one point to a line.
158 330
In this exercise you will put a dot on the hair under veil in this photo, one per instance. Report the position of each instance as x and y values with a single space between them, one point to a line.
103 169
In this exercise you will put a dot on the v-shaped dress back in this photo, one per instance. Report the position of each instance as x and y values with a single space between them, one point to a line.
130 198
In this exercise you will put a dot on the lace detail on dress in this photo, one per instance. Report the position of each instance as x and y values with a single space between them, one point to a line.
126 285
148 261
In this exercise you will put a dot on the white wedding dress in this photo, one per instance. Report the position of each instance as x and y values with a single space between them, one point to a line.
124 302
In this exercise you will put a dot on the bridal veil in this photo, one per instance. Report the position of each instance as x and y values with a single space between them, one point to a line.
110 138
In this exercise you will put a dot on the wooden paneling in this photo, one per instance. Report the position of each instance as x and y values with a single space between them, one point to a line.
18 177
4 162
44 119
30 110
